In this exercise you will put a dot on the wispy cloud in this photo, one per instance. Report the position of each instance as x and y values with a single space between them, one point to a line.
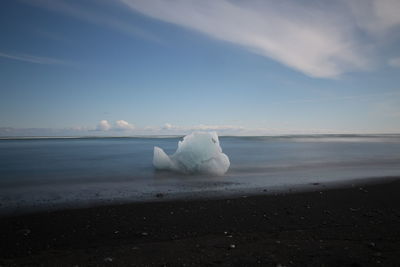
387 108
340 98
376 17
55 36
320 40
34 59
91 14
394 62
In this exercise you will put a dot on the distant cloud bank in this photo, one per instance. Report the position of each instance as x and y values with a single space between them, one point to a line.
119 128
124 128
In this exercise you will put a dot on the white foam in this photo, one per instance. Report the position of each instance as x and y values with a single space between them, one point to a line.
198 152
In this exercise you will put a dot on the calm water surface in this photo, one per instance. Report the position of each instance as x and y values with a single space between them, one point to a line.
83 171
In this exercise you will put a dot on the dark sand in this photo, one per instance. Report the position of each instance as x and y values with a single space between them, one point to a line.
357 226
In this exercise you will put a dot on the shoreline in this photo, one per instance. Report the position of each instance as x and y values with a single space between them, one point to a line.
356 226
21 208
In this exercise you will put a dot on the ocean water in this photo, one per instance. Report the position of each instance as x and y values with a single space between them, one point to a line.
56 172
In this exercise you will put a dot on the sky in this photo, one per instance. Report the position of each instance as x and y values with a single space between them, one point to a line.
133 67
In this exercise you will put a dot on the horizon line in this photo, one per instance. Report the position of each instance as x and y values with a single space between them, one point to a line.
182 135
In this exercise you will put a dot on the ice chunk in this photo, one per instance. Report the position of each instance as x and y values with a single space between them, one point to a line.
199 152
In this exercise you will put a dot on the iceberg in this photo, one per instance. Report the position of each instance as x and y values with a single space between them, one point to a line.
199 152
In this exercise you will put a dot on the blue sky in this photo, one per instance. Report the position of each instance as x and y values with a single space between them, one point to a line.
130 67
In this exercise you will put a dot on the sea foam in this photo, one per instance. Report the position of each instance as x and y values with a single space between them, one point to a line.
199 152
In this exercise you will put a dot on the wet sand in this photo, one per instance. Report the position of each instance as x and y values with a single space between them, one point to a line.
353 226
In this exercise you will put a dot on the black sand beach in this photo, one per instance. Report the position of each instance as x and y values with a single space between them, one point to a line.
354 226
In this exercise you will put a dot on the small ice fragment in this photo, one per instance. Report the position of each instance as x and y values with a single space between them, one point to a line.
25 232
108 259
198 152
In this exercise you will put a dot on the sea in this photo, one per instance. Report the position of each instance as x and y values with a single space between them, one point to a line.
52 173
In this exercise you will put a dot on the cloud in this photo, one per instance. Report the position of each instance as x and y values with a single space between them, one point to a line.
103 125
122 125
202 127
387 108
34 59
320 40
394 62
376 17
119 125
167 126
